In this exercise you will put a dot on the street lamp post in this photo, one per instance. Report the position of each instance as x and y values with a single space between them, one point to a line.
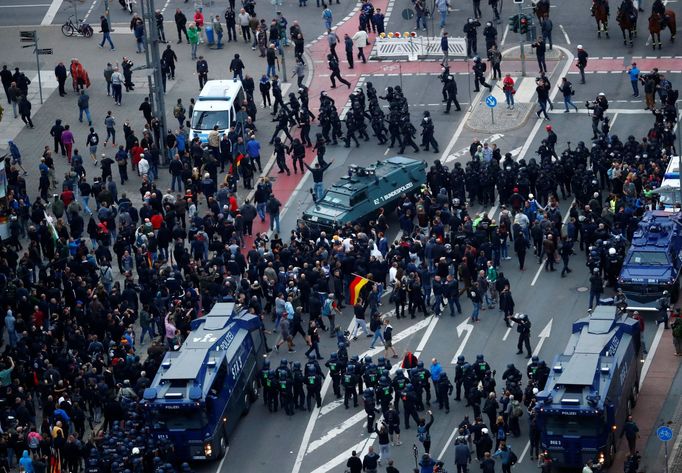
156 93
523 53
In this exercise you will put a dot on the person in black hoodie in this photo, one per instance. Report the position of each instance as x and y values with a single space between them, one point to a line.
56 133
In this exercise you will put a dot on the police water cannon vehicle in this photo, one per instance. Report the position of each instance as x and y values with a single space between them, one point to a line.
202 390
360 195
653 262
591 389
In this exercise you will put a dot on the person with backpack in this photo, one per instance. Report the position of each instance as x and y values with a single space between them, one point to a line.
179 113
375 328
566 88
514 413
424 431
330 309
507 457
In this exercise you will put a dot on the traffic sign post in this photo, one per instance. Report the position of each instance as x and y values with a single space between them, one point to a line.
491 102
32 38
665 434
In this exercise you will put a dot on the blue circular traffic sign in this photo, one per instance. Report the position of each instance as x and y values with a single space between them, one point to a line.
664 433
490 101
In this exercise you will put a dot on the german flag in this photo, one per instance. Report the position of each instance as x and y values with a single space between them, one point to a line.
356 286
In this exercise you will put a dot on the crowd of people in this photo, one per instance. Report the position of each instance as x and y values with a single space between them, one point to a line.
83 282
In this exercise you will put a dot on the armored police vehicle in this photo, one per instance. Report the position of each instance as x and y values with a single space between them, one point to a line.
202 390
358 196
592 387
653 261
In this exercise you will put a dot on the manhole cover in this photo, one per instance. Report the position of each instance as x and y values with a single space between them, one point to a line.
583 289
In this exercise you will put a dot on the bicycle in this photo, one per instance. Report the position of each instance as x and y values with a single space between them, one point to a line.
78 29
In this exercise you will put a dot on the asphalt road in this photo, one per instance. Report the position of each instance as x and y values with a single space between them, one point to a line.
304 443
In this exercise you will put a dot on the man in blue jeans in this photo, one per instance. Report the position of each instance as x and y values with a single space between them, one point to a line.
318 176
272 208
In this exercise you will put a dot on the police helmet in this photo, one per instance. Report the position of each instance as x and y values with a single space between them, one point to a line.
311 356
409 387
368 360
477 59
341 345
383 379
381 360
399 372
510 366
534 359
479 357
522 316
414 371
368 392
297 365
271 373
350 369
542 363
420 364
333 356
612 251
355 358
284 363
266 365
460 359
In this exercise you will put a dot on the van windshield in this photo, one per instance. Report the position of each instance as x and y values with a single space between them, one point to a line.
182 419
207 119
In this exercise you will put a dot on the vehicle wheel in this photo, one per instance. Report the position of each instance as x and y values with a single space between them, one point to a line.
87 32
253 392
247 403
222 447
67 30
635 393
610 452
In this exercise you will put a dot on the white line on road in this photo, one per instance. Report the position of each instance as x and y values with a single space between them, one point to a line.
327 408
525 450
432 325
39 5
504 36
339 459
339 429
536 127
626 111
51 12
447 444
537 275
565 34
651 354
544 335
85 18
506 334
220 465
465 326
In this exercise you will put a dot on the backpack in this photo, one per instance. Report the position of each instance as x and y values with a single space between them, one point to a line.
327 307
422 433
513 459
516 410
179 111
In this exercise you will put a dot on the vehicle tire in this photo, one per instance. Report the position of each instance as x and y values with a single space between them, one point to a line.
253 392
247 403
635 393
68 30
87 31
610 452
222 446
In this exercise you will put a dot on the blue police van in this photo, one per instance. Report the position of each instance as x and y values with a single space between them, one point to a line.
202 390
592 388
653 262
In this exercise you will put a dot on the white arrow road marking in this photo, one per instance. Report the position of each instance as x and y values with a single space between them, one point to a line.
544 335
465 326
342 427
327 408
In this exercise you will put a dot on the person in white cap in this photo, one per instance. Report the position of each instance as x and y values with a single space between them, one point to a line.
582 62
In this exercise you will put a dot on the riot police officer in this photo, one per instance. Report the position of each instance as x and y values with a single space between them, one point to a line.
371 375
481 367
407 132
444 390
349 382
336 369
384 393
427 133
424 375
298 382
370 408
472 36
512 374
399 383
342 353
479 74
523 328
410 405
459 377
263 377
313 378
285 388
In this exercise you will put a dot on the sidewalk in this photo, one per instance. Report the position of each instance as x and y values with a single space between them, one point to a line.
651 410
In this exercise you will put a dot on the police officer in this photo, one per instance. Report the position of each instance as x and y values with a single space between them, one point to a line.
285 388
472 36
481 367
342 354
407 131
444 390
351 128
263 377
424 376
523 328
459 376
378 127
399 383
479 74
384 393
298 382
336 369
450 92
427 133
370 375
370 408
394 128
270 390
304 117
531 370
313 377
512 374
383 366
410 405
469 380
349 382
282 125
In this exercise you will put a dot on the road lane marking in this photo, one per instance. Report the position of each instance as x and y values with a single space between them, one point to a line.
504 36
506 334
565 34
51 12
544 335
525 450
327 408
537 275
39 5
429 330
339 459
650 355
465 326
338 430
